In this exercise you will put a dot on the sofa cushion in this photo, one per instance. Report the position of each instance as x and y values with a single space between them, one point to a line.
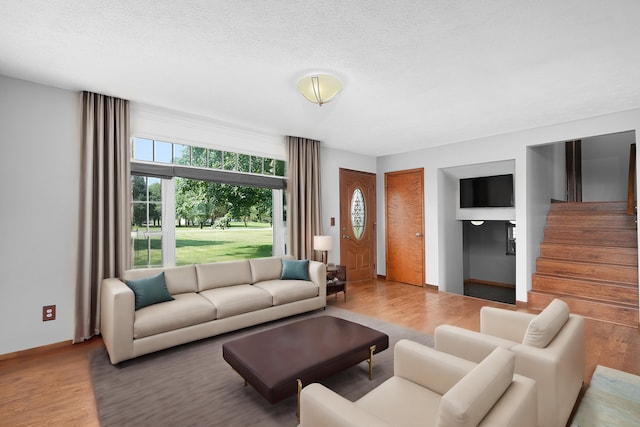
467 402
295 270
179 280
401 402
186 310
265 269
286 291
149 290
232 300
221 274
544 327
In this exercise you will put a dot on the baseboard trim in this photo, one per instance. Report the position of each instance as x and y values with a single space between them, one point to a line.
489 283
36 350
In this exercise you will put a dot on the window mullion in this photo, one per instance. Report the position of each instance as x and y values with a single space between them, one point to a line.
169 222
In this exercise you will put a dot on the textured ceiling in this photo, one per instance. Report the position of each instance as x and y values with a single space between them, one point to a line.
416 73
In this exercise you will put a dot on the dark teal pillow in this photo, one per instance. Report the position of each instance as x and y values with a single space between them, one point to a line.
295 270
150 290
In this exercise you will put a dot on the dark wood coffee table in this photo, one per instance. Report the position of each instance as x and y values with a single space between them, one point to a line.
277 362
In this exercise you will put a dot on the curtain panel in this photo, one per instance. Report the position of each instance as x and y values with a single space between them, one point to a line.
303 195
104 205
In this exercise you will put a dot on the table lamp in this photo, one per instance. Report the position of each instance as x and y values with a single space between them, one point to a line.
324 244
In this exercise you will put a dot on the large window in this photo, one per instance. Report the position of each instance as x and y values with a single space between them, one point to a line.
146 221
213 205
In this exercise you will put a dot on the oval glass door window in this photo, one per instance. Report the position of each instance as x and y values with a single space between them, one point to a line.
358 213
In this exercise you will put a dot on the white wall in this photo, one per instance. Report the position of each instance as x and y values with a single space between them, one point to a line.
450 247
39 176
605 167
147 121
39 167
542 179
438 229
331 161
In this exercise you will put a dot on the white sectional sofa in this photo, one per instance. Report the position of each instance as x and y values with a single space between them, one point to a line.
206 300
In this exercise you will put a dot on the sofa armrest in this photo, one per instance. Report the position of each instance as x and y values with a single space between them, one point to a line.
117 314
467 344
427 367
318 275
507 324
321 407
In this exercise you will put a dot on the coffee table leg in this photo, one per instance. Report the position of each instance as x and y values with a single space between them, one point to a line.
371 350
299 391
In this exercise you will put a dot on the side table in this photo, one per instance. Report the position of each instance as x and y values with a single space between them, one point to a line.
337 280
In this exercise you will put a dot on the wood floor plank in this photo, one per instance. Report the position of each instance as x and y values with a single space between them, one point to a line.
54 387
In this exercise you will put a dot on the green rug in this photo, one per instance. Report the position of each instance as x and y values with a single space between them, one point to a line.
612 399
191 385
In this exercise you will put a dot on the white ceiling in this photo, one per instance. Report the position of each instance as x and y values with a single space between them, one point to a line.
416 73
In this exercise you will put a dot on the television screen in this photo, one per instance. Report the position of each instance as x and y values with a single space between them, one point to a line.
487 192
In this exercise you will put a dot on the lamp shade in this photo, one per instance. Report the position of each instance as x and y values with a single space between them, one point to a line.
322 243
319 88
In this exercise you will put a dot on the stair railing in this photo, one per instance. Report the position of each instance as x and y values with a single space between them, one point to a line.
631 186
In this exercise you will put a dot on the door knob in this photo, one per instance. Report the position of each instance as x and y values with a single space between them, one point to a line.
345 236
418 234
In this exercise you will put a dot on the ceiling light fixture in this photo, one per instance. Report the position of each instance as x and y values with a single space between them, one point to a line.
477 223
319 88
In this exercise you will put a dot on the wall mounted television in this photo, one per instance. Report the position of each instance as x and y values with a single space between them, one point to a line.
487 192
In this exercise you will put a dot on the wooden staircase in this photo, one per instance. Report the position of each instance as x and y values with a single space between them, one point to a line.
589 259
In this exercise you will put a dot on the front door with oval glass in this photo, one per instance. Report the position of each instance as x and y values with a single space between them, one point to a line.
357 224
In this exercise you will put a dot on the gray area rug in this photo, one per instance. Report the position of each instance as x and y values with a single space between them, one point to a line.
192 385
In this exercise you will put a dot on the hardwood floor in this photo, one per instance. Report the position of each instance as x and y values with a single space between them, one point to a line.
54 388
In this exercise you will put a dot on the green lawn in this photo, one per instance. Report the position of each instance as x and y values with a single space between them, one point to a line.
195 245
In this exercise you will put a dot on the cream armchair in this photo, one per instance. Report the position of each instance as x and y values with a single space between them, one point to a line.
549 348
431 388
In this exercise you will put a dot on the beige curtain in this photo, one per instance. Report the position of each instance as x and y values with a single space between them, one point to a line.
104 205
303 195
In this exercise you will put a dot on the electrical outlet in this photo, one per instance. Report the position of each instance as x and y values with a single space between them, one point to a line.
48 313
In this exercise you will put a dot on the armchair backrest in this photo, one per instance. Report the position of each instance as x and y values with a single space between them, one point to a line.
546 325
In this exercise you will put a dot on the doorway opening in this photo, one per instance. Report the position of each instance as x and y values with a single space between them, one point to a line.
489 260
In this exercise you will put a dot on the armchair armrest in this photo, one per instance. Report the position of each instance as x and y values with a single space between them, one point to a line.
117 313
427 367
559 369
318 275
507 324
467 344
321 407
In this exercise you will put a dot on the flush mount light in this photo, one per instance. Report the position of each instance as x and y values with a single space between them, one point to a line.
319 88
477 222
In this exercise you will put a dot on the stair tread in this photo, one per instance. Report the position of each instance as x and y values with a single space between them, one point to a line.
583 245
605 264
587 299
587 280
587 249
621 314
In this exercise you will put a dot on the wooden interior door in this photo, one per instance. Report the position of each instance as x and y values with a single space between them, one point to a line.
404 213
358 224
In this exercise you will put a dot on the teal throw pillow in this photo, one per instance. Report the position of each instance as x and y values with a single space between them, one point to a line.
295 270
150 290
